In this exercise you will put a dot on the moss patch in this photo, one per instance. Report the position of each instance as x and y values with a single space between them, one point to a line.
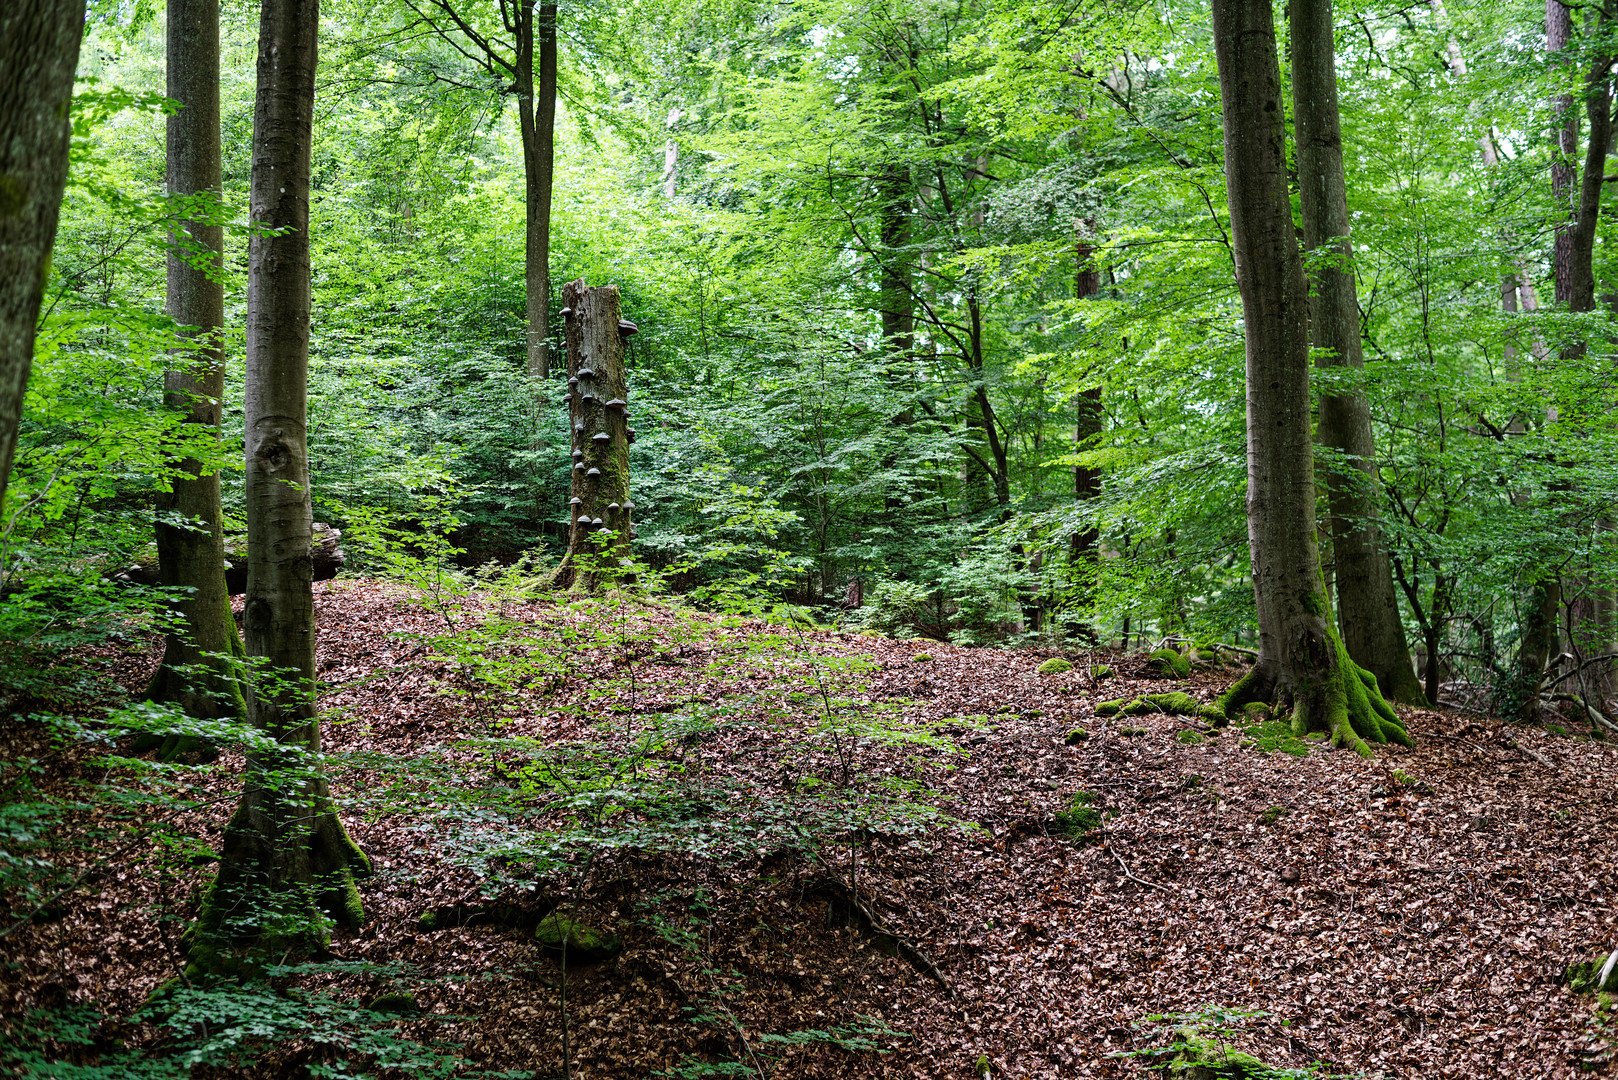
1169 662
395 1004
1055 666
1271 735
1076 736
921 658
584 944
1079 819
1272 815
1189 738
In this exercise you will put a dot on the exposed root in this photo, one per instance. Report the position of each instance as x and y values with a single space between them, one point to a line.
1344 702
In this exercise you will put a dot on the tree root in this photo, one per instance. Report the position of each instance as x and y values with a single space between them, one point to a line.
885 939
1344 702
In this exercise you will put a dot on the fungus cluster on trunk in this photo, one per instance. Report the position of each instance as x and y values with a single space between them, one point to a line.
599 511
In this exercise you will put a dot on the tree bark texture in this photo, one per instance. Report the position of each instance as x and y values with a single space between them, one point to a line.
39 51
1558 32
1368 611
536 117
1302 664
201 653
600 529
1083 545
285 851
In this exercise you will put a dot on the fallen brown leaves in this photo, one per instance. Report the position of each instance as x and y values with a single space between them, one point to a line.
1409 916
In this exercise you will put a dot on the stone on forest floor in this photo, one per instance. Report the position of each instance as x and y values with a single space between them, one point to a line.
1169 662
1076 736
1055 666
583 943
397 1004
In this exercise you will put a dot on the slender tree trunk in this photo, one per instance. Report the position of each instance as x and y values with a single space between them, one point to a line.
600 528
285 851
201 652
1302 664
536 115
39 51
1087 426
1368 612
1558 32
1588 627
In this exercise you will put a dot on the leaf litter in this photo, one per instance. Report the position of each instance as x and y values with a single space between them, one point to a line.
1409 916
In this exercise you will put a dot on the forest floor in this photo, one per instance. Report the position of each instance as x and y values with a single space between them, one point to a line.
1407 916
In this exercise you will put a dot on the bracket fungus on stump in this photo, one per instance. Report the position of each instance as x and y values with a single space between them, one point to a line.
598 538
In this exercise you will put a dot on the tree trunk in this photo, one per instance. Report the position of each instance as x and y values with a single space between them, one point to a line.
201 653
600 529
536 117
1368 612
1302 664
39 51
1558 32
285 851
1087 427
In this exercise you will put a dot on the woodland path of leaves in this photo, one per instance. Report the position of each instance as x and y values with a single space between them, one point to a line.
1409 916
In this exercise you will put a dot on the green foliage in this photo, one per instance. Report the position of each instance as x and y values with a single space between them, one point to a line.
1201 1044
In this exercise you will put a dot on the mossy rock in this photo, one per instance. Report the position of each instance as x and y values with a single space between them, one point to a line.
921 658
395 1004
1189 737
1132 732
584 943
1169 662
1109 708
1076 736
1055 666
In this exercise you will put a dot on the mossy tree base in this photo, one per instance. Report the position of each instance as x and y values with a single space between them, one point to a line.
287 873
1340 698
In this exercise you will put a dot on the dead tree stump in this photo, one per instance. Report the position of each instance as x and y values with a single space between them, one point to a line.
599 530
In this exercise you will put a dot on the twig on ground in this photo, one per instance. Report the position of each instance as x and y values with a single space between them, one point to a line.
1132 877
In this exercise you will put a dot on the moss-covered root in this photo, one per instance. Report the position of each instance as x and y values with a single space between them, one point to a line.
1350 707
1257 686
271 899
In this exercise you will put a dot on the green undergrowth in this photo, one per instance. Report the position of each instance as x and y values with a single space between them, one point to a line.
1079 819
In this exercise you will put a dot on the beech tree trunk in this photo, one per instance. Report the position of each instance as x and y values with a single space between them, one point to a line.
201 652
1302 664
1087 425
536 116
600 529
39 52
285 851
1368 612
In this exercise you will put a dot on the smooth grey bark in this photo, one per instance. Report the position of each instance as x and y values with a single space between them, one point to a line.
1367 610
1302 665
285 850
599 527
201 653
39 51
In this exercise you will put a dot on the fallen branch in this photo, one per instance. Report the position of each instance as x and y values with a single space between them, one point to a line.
1132 877
1512 744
